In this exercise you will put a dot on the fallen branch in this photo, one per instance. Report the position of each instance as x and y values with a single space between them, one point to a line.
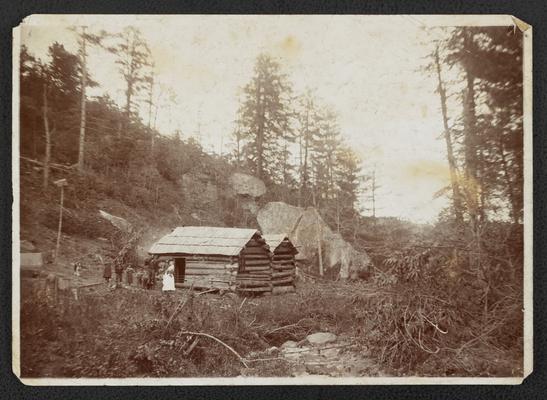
219 341
207 291
243 302
51 165
286 326
434 325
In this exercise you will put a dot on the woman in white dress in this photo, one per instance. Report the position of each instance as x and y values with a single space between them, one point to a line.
169 277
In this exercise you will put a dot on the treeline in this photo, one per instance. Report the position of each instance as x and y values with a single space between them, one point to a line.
479 76
116 149
294 143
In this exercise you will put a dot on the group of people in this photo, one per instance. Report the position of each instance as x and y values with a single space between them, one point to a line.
145 276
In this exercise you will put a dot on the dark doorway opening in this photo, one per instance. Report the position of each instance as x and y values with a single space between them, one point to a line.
180 270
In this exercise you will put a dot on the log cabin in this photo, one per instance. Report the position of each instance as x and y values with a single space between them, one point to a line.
283 262
218 258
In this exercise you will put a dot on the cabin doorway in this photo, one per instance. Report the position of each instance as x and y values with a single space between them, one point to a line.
180 270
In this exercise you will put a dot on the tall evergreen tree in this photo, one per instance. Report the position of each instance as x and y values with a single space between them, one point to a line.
265 115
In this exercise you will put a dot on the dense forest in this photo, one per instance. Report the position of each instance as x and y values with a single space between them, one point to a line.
471 258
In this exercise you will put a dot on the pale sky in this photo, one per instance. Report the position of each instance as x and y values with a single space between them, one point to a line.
367 68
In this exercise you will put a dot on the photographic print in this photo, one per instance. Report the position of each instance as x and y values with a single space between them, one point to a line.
247 199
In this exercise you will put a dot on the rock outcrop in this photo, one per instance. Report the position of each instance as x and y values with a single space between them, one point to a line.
247 185
120 223
307 230
248 189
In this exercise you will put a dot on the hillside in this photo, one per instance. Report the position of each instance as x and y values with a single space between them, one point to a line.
195 198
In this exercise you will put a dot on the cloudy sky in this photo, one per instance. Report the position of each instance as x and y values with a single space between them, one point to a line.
367 68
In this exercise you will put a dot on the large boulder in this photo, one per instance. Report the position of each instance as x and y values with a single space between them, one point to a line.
246 185
307 230
119 222
278 217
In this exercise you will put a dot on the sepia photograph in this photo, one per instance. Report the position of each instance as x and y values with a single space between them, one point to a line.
272 199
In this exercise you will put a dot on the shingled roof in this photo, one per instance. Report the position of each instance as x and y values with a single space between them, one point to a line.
275 239
204 240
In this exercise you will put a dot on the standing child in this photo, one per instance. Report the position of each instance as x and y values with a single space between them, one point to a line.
169 278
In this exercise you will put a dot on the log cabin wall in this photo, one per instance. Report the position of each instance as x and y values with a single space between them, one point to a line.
255 269
210 271
283 267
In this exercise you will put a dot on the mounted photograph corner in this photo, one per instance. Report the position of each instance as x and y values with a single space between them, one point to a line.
272 199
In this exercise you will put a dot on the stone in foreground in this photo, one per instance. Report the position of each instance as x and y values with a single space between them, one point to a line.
320 338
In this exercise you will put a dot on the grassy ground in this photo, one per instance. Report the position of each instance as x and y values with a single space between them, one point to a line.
123 332
127 333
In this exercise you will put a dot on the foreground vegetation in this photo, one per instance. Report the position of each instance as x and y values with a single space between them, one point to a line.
131 332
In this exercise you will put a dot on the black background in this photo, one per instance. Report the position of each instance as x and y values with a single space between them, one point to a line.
532 12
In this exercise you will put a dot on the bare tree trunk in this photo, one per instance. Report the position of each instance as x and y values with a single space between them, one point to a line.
319 248
259 135
150 103
456 196
470 140
509 182
47 157
83 104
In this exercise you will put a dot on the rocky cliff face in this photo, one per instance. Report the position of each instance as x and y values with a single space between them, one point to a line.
307 230
248 189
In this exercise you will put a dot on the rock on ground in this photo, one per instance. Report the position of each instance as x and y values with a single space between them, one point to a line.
289 344
306 228
120 223
319 338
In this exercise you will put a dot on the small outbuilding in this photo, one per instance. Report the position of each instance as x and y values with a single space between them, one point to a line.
283 262
214 257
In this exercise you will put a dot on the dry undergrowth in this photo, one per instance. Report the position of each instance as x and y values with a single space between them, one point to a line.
129 332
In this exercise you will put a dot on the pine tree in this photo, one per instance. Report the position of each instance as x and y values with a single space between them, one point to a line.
134 59
264 115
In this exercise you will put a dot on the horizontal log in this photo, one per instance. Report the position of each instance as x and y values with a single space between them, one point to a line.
206 282
261 289
282 274
257 262
289 270
277 257
203 285
281 281
226 259
262 256
199 268
254 278
209 264
207 273
244 275
283 267
255 250
252 284
257 268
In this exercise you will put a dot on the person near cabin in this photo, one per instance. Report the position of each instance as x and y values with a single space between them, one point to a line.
107 273
153 269
129 275
139 276
118 268
77 268
169 278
